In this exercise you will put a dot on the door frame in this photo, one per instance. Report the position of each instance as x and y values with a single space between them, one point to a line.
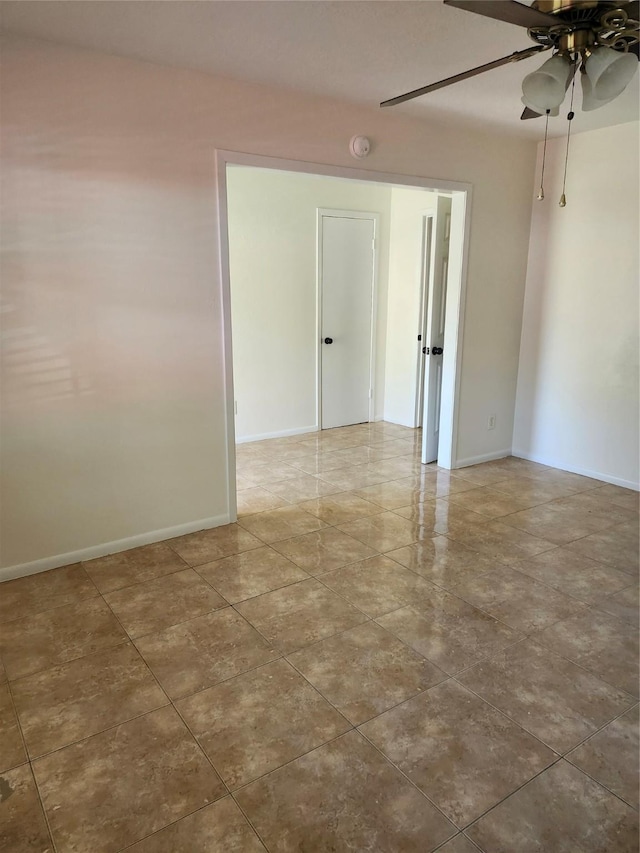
461 203
426 269
346 214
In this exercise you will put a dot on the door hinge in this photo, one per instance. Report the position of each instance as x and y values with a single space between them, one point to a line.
370 393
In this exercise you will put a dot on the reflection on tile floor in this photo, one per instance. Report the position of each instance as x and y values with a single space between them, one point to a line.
378 656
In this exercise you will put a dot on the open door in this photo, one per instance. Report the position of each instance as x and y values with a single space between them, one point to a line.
434 343
425 282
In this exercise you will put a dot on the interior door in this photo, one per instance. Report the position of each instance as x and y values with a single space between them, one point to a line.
436 308
346 302
425 275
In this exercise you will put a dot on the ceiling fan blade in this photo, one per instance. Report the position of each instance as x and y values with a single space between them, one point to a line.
513 57
506 10
527 113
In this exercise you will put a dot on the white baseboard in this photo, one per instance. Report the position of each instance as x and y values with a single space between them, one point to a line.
395 422
585 472
283 433
483 457
106 548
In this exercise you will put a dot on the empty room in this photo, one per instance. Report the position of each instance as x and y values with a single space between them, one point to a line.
320 426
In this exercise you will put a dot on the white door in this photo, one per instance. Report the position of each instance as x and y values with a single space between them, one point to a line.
425 269
436 307
346 303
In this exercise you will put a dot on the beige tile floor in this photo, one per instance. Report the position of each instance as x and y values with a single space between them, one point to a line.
380 656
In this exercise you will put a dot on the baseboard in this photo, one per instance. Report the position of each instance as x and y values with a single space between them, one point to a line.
483 457
585 472
283 433
389 420
106 548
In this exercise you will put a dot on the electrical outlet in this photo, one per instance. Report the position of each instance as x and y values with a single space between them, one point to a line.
491 423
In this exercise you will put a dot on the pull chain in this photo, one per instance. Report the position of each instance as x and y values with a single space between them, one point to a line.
563 198
544 157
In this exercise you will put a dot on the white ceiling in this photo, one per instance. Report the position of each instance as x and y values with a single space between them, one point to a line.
358 51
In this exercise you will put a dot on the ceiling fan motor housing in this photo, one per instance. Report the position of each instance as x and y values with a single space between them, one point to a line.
584 24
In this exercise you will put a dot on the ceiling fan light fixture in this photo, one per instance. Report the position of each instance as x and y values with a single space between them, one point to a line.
545 88
609 72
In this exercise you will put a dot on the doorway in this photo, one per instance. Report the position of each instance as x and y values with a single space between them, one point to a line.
460 195
346 291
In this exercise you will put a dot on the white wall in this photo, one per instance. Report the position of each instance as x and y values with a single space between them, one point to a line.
577 403
110 259
273 263
403 320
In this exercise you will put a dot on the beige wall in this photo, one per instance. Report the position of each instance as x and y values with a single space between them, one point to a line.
578 383
273 263
110 265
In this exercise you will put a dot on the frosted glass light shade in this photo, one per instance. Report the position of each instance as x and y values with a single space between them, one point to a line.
589 100
545 88
609 72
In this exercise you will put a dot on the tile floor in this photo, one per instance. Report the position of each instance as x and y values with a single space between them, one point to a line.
380 656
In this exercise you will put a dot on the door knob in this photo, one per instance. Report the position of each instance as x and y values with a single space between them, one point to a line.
328 340
436 350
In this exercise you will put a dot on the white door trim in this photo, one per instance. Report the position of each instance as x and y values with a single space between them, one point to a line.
346 214
461 203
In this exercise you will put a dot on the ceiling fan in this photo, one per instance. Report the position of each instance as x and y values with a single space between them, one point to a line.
600 37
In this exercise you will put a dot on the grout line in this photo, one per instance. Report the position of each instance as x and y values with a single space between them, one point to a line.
369 719
44 811
203 751
23 740
173 823
314 642
602 678
109 728
292 760
511 794
411 782
56 664
460 834
29 763
251 823
587 773
85 598
229 677
562 754
276 770
503 713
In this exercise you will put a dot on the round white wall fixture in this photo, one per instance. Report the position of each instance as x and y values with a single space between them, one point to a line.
359 147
